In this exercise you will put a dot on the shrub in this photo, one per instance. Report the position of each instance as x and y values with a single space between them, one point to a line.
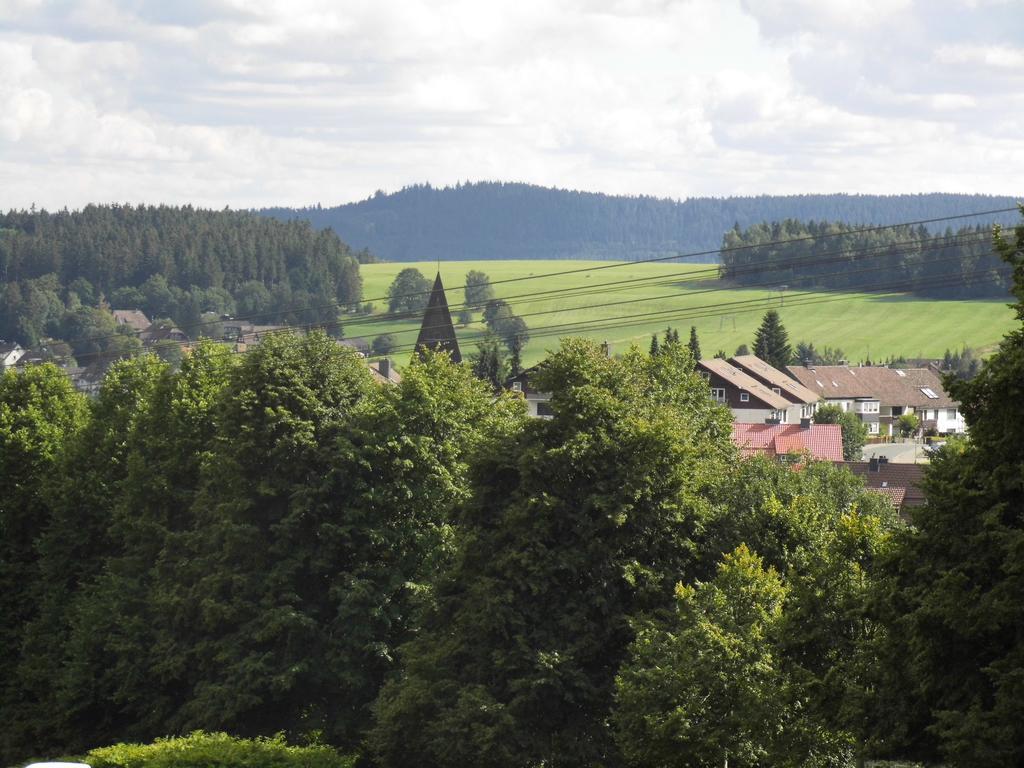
216 750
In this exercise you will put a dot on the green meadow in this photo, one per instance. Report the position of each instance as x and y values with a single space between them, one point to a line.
597 302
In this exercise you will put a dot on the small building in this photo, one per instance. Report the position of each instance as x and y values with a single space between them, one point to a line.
133 318
900 483
778 382
823 442
750 401
537 403
11 352
880 395
157 333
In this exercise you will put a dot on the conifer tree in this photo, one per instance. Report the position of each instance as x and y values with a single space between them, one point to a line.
694 344
771 343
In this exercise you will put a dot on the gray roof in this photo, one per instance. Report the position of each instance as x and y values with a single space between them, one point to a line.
437 331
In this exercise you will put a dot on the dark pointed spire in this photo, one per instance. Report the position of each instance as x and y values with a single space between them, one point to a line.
437 331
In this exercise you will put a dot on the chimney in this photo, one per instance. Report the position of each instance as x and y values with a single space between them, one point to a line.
872 464
805 423
883 459
384 368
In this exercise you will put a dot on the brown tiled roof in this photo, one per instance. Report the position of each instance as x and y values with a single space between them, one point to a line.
891 475
822 441
925 378
744 382
895 496
133 318
890 386
754 364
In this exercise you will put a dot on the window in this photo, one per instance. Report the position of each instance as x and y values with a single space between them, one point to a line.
928 392
744 397
901 373
776 390
517 386
873 427
718 394
544 408
951 413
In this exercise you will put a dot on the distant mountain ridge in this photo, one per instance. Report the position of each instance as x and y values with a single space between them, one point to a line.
499 220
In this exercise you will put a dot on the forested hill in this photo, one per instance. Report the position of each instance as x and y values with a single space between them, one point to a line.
171 262
493 220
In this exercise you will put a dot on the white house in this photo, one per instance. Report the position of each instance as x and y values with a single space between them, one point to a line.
10 353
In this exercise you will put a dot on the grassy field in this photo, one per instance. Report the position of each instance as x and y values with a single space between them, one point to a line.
865 326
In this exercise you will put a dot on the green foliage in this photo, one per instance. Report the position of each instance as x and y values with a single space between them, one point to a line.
694 343
792 690
575 524
830 254
478 289
908 424
383 344
953 597
409 292
523 221
706 686
177 262
855 432
771 343
39 414
217 750
488 363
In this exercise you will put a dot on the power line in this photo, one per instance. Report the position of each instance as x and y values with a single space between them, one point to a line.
827 257
824 236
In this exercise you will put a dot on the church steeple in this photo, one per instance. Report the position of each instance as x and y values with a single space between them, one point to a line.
437 331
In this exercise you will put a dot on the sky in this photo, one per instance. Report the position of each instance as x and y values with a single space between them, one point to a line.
252 103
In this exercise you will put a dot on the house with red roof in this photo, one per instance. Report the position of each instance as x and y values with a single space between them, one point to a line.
823 442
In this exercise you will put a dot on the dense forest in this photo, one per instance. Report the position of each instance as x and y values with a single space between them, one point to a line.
833 255
170 262
493 220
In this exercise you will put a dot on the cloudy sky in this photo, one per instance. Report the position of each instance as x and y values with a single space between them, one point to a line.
291 102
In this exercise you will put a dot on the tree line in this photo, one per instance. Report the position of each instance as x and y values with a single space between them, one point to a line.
841 256
170 262
499 220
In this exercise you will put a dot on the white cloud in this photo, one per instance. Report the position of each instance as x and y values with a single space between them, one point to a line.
262 102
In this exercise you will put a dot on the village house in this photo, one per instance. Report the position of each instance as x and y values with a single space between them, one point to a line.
779 383
537 403
879 395
10 353
899 483
133 318
823 442
750 401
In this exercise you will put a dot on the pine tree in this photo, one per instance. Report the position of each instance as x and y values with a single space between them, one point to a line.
771 343
655 347
694 344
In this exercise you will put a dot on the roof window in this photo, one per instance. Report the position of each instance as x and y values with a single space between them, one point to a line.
929 393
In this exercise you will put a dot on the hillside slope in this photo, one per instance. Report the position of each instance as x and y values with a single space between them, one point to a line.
494 220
